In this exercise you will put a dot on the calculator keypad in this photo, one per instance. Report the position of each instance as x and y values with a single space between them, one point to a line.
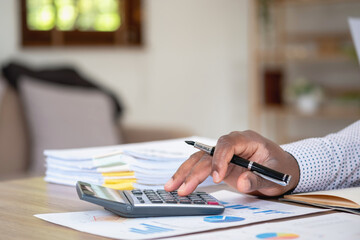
162 196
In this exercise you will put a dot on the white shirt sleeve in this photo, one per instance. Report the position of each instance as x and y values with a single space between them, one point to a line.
330 162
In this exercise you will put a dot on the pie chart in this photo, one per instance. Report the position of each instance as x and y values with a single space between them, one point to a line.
222 219
276 236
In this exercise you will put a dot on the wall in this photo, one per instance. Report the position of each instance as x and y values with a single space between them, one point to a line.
192 71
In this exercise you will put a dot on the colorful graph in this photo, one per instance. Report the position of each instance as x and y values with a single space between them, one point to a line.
255 209
239 206
149 229
277 236
222 219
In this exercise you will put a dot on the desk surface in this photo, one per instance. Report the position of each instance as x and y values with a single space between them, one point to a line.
21 199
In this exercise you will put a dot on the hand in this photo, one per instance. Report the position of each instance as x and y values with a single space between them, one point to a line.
249 145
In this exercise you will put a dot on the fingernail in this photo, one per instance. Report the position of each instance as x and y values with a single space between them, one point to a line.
182 187
169 183
216 176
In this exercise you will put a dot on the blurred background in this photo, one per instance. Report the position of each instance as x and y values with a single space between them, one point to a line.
285 68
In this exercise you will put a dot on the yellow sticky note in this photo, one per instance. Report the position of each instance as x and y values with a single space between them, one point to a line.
119 181
118 174
120 186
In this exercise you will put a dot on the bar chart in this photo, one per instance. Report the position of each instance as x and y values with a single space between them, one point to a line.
150 229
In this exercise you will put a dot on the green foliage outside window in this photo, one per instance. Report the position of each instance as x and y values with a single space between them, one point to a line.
69 15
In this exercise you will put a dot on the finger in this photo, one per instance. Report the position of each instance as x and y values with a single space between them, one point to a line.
184 170
197 175
223 154
249 182
245 144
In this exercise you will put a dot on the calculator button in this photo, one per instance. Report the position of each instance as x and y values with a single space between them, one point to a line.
137 192
162 192
199 202
170 201
183 198
165 195
141 201
168 198
212 203
148 191
139 198
199 193
156 201
151 195
185 201
195 198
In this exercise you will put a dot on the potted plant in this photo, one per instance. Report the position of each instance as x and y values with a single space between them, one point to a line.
307 95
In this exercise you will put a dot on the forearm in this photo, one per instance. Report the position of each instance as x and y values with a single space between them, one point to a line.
330 162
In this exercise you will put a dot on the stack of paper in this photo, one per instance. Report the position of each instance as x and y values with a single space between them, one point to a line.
141 165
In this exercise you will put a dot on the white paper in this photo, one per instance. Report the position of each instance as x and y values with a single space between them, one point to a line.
333 226
153 162
80 153
240 210
156 150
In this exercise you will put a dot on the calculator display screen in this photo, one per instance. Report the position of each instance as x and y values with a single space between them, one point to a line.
106 193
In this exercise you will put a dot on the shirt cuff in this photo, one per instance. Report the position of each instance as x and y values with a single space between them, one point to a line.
315 169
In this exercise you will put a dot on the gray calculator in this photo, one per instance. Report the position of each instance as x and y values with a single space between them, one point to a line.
149 202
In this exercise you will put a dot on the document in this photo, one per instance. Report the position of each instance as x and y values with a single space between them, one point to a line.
333 226
147 165
240 209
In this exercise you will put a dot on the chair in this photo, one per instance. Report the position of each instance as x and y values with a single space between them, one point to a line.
56 108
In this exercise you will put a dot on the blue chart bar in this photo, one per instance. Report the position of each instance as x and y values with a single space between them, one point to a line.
236 206
266 211
149 229
242 207
223 219
239 206
272 212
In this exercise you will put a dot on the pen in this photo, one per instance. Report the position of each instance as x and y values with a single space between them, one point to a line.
260 170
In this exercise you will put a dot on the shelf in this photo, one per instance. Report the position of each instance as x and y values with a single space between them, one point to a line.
333 112
322 53
281 57
313 2
318 37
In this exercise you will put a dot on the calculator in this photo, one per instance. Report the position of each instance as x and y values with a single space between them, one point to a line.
149 202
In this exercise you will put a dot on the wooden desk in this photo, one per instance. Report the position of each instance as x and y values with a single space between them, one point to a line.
21 199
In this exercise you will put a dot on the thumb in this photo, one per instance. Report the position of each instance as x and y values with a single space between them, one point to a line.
250 182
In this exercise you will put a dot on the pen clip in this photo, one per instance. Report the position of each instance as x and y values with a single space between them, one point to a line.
282 183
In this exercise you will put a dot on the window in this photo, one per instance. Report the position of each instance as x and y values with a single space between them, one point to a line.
80 22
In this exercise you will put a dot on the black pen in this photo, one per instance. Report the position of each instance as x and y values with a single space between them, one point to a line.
264 172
